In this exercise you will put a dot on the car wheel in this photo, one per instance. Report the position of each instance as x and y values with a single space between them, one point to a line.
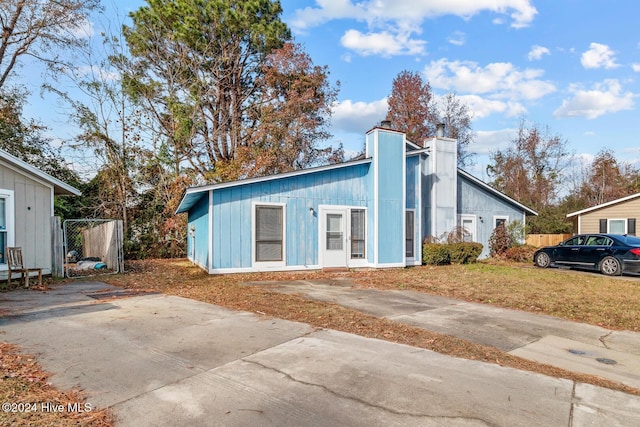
610 266
542 260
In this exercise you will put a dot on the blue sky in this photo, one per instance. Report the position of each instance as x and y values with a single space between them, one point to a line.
571 65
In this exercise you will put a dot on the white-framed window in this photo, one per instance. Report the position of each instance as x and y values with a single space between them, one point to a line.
617 225
469 231
409 235
7 228
500 219
358 233
269 235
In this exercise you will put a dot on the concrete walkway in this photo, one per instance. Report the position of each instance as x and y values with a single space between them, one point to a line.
573 346
160 360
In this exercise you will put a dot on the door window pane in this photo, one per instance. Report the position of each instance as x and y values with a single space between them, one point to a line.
357 234
408 251
3 230
334 232
269 232
467 230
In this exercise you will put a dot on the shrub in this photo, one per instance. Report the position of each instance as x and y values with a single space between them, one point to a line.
515 229
465 252
435 254
499 241
522 253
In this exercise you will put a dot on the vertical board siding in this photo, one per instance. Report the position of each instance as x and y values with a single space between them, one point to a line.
198 245
589 222
391 204
412 182
32 227
232 233
474 200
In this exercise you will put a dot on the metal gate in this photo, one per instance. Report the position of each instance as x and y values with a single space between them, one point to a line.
92 246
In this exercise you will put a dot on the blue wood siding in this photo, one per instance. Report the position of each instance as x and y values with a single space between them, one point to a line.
475 200
413 200
198 242
390 160
232 213
412 195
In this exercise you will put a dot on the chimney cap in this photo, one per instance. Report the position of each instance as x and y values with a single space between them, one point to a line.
440 130
385 124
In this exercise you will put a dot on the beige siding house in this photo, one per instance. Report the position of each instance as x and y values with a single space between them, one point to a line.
26 209
617 217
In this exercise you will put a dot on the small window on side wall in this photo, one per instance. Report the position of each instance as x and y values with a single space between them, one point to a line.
497 220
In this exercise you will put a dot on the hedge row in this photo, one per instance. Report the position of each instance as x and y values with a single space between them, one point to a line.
446 253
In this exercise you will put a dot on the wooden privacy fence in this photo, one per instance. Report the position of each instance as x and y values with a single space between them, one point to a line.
539 240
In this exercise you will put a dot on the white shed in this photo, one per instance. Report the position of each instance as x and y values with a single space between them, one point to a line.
26 211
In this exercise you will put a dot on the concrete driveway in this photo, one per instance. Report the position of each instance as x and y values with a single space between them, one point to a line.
160 360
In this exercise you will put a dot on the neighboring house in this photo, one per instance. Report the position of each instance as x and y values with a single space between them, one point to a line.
26 209
372 212
617 217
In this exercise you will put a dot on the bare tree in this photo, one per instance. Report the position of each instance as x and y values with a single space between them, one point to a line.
39 29
608 179
457 118
530 169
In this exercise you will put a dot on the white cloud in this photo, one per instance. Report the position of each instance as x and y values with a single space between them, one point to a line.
603 98
357 117
598 56
521 12
537 52
497 80
395 22
383 43
483 107
457 39
488 142
636 67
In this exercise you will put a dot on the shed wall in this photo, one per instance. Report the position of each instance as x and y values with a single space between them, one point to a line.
32 215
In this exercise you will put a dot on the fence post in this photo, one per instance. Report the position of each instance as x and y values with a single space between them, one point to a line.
57 248
120 245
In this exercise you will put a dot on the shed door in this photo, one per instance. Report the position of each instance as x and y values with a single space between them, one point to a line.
334 238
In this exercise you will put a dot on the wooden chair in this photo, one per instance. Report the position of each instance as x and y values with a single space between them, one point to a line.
15 264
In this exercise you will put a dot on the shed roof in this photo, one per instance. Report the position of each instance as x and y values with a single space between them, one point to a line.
59 187
604 205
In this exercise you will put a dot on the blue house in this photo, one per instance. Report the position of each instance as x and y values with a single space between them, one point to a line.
371 212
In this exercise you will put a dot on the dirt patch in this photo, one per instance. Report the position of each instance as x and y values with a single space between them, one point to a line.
28 398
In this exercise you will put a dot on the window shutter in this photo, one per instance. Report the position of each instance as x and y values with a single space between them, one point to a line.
603 225
631 226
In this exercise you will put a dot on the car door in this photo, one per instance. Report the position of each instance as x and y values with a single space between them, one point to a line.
567 253
595 248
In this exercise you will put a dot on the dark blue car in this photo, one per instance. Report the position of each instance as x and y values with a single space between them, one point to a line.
611 254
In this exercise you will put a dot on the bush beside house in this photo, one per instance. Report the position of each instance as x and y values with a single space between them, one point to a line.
447 253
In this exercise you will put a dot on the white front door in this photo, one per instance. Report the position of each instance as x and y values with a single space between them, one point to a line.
334 237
